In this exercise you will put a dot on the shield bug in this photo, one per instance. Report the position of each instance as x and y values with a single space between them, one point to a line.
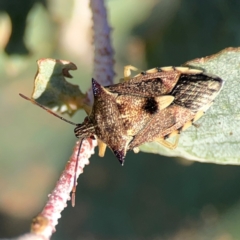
151 106
189 93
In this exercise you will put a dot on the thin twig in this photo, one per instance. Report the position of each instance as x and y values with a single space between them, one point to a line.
103 71
46 221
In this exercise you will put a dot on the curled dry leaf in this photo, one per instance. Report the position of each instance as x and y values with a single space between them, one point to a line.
52 90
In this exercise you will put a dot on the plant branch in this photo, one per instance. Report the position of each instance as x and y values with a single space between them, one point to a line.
103 70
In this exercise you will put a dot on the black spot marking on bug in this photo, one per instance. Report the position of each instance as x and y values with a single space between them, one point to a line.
150 105
159 69
143 73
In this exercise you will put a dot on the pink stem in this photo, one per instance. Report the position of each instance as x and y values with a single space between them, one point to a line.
46 221
44 224
103 53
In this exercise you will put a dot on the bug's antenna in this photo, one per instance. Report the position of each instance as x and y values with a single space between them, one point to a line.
48 110
74 189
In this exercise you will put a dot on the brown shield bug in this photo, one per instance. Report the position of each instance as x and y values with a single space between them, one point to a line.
151 106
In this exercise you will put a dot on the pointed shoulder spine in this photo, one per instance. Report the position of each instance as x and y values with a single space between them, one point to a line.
96 87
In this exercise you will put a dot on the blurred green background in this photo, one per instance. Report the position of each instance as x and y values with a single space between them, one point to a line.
151 197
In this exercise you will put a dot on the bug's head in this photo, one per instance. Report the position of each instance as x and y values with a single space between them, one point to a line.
85 129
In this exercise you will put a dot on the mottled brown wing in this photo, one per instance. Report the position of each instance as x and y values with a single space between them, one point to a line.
196 92
162 124
136 112
147 85
192 94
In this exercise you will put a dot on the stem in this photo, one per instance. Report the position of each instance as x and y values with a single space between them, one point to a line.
103 70
46 221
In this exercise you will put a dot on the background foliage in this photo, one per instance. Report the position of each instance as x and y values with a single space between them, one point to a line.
151 197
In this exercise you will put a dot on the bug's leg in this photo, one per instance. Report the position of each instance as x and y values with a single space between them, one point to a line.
198 115
127 72
136 150
168 144
192 122
101 148
196 125
187 125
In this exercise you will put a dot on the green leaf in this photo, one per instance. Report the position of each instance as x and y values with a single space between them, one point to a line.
217 138
52 90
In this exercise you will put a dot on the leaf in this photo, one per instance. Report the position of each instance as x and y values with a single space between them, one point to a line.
52 90
217 137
